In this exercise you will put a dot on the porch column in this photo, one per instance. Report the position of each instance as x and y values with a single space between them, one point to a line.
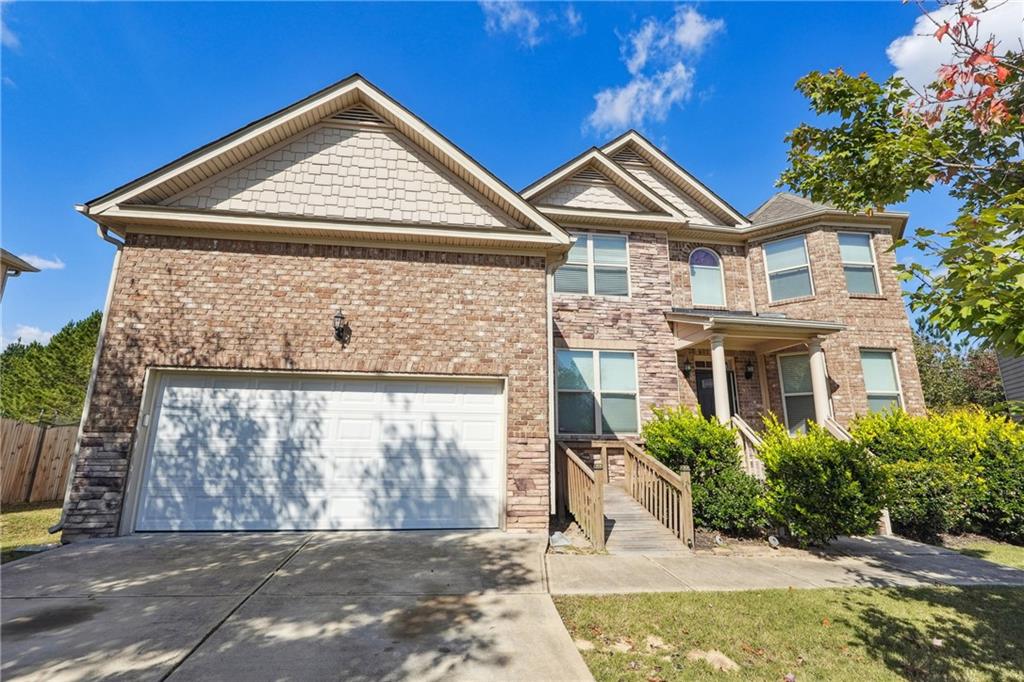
721 378
819 381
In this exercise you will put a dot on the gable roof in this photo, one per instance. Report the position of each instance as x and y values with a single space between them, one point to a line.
141 199
785 205
12 263
632 143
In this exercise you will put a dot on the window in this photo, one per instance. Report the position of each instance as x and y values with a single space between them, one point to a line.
597 265
880 379
797 395
858 262
789 271
706 283
596 392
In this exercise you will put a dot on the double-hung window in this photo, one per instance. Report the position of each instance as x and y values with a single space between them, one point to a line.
596 392
858 262
789 270
706 282
597 265
797 394
880 379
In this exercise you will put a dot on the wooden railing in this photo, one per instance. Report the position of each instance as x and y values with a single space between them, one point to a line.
661 491
580 492
749 443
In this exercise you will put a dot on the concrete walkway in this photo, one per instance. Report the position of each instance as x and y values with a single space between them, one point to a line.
849 562
631 529
287 606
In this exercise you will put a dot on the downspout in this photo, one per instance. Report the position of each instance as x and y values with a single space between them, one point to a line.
103 233
553 263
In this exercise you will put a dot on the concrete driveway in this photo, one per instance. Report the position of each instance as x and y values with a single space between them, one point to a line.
287 606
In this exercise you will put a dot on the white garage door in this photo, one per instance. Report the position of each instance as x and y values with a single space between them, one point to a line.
292 453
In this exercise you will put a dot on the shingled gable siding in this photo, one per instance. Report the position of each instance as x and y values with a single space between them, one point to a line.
185 302
872 322
635 323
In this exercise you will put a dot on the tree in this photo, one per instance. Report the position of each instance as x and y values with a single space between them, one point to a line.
964 131
955 375
48 382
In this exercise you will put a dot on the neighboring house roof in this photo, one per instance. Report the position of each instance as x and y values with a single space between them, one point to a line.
204 188
1012 372
12 263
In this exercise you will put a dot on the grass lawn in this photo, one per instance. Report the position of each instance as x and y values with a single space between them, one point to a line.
835 634
990 550
26 524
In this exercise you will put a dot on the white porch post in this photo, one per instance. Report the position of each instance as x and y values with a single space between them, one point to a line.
819 381
721 378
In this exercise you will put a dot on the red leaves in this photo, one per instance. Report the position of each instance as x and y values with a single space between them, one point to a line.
941 33
983 57
1002 73
946 95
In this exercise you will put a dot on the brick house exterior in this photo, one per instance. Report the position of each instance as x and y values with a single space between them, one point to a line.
233 260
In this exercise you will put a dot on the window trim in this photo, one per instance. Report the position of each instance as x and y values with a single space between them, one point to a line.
597 391
895 370
721 274
873 263
592 266
769 272
781 384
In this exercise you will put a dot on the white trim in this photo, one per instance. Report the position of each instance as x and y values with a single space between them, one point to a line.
592 266
597 391
895 371
721 273
769 272
873 263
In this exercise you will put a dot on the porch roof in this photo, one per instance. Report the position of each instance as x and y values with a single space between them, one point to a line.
744 330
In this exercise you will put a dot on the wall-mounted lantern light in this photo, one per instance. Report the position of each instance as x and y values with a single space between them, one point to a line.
748 371
687 368
342 331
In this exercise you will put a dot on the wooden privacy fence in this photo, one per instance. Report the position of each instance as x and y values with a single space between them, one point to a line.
661 491
34 461
580 491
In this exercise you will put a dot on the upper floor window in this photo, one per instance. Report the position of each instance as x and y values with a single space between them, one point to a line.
598 265
596 392
880 379
789 269
706 281
858 262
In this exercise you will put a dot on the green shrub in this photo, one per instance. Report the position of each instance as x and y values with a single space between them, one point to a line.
926 499
1000 511
724 498
818 486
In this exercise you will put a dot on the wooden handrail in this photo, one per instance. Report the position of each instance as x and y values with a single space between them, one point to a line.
667 495
580 492
749 443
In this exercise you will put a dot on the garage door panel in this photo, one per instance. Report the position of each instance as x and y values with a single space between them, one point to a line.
248 453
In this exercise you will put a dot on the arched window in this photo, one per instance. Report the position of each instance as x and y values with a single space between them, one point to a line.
706 282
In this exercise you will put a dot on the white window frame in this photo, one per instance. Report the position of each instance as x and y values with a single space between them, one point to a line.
721 274
769 272
782 385
598 425
591 266
895 371
873 263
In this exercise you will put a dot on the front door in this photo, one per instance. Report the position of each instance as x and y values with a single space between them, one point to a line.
706 392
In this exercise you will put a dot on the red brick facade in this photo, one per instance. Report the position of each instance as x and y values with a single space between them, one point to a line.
268 306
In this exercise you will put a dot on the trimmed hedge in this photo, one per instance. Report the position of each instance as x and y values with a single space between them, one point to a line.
926 498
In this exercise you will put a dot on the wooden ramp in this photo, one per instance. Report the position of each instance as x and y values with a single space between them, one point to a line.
630 529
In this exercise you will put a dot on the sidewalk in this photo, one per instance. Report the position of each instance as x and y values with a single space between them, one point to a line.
848 562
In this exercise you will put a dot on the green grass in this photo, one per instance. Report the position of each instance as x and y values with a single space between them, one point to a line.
854 634
26 524
992 550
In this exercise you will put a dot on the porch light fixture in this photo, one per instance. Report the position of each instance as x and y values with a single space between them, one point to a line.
748 371
687 368
342 330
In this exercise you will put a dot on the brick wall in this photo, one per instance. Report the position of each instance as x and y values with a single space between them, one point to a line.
872 322
260 305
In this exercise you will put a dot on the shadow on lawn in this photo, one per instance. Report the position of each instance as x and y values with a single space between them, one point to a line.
976 630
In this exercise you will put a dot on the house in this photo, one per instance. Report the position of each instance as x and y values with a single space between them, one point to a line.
335 318
12 266
1011 371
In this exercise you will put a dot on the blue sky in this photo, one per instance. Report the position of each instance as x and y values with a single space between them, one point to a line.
95 95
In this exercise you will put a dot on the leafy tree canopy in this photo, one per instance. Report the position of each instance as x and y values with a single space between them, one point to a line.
956 375
964 131
47 383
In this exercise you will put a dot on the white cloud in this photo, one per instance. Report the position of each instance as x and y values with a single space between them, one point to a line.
917 55
574 20
43 263
512 16
659 57
27 334
8 38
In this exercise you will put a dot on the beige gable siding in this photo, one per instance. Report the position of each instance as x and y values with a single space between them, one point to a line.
602 197
372 175
662 186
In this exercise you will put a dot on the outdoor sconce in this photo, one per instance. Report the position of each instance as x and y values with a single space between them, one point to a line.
687 368
342 331
748 371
